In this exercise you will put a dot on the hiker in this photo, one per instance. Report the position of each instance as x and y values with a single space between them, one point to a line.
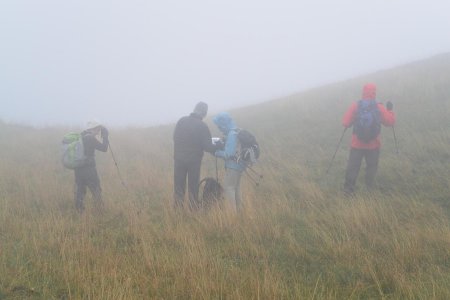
86 175
234 169
191 139
366 117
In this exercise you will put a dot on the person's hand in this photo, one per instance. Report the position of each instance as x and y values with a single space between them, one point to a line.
220 144
389 106
104 132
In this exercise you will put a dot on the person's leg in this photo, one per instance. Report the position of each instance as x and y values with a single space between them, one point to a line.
93 182
80 190
230 183
238 192
372 158
193 181
353 166
179 182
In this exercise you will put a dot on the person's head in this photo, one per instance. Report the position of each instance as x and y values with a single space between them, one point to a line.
369 91
201 109
94 127
224 122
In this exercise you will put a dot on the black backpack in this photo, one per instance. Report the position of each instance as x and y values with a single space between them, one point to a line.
212 192
249 148
367 125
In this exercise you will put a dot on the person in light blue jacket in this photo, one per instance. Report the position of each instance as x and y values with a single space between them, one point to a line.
233 174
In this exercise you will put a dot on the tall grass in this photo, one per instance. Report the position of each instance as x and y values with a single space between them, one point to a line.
297 238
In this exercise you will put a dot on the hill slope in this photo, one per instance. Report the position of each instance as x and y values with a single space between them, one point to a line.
307 126
298 237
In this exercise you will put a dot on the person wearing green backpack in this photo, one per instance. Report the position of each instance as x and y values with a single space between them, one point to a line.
86 175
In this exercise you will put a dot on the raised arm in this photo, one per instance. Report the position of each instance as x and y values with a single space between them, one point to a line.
103 146
387 116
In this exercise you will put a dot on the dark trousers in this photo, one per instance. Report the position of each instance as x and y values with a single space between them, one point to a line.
371 157
191 171
87 177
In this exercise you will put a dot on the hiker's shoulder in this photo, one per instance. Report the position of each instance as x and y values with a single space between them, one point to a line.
195 121
191 119
86 134
183 119
183 122
88 137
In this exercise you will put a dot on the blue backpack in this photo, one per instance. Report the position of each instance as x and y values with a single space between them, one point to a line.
367 125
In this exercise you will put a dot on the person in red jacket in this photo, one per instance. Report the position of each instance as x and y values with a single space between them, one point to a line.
369 149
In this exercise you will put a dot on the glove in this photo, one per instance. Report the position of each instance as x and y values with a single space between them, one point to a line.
104 133
389 106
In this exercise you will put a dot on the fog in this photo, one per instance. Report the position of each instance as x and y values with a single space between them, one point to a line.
143 63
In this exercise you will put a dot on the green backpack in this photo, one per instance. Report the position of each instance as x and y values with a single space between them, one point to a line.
73 151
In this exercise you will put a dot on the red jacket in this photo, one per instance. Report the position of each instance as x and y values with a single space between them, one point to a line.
387 119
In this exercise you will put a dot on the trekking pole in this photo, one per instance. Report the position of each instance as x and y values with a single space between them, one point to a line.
115 162
395 140
217 171
256 173
337 148
251 178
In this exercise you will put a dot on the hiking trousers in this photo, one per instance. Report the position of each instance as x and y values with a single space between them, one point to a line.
190 171
232 188
356 156
87 177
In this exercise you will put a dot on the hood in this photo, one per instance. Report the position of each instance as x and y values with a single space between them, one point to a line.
369 92
224 122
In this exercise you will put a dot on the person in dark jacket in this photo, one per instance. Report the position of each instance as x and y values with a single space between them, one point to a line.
191 139
86 176
369 150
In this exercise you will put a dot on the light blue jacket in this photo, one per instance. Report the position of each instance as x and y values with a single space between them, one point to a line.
228 128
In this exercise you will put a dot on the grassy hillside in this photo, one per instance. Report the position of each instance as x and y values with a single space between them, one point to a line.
298 237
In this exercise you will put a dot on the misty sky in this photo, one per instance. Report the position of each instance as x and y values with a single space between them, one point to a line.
138 62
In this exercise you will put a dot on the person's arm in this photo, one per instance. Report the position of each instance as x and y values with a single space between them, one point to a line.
207 144
230 146
349 116
103 147
387 115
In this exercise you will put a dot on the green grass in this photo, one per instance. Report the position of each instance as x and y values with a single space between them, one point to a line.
298 237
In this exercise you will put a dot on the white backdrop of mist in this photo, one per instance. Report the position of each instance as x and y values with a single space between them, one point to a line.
144 63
